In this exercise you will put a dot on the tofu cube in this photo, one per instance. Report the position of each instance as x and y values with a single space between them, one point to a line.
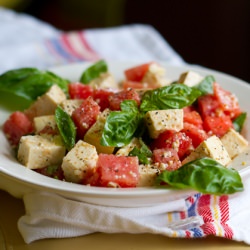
70 105
47 103
104 81
158 121
234 142
190 78
45 122
155 76
211 147
125 150
37 152
147 175
94 134
79 161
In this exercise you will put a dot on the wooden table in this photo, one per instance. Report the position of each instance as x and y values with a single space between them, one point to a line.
11 209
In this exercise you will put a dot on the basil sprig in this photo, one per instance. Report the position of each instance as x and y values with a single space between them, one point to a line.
206 85
120 126
66 127
174 96
94 71
239 121
204 175
143 153
29 83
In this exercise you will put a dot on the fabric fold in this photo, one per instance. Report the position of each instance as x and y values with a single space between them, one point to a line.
49 215
52 216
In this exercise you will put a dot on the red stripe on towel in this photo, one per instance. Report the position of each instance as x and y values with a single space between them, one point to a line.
90 53
70 48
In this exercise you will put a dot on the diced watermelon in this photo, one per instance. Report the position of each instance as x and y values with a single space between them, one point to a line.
85 116
17 125
171 139
116 99
101 96
196 134
134 85
217 125
228 102
208 105
167 156
194 118
137 73
79 91
116 170
188 109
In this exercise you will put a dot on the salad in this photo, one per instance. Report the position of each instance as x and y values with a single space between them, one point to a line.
142 131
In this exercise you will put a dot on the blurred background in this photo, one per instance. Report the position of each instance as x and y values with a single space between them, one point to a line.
211 33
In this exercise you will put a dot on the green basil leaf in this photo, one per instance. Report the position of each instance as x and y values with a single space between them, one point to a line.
204 175
66 127
129 106
50 170
94 71
238 122
120 126
174 96
29 83
206 85
141 128
143 153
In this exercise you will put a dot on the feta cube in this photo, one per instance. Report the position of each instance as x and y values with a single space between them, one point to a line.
211 147
125 150
81 159
45 121
94 134
47 103
104 81
234 142
155 76
147 175
70 105
37 152
158 121
190 78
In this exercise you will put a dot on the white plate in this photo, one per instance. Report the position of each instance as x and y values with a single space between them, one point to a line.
18 180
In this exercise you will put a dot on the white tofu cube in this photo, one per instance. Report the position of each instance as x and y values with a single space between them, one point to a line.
45 121
147 173
47 103
94 134
190 78
125 150
81 159
70 105
234 143
211 147
155 76
37 152
104 81
159 121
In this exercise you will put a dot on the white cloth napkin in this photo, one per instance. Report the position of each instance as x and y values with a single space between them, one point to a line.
27 42
51 216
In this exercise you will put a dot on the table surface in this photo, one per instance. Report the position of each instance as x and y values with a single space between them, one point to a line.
10 239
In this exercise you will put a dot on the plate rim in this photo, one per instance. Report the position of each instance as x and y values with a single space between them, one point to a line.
107 192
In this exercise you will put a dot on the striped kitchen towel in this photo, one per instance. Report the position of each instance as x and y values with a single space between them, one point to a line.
28 42
52 216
